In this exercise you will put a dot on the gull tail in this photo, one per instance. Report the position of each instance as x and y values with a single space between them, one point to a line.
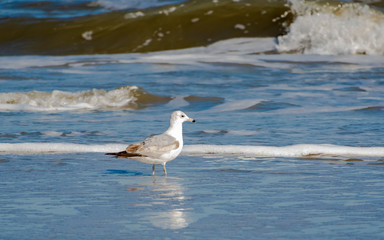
124 154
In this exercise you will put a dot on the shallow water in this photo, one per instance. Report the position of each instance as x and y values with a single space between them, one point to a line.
286 145
70 195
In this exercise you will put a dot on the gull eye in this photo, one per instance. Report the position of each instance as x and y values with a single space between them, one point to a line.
182 116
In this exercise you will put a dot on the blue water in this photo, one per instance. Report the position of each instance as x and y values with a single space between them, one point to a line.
93 196
88 196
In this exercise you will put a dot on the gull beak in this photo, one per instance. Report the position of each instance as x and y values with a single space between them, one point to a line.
191 120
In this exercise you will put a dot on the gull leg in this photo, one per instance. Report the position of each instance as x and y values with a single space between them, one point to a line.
165 170
153 169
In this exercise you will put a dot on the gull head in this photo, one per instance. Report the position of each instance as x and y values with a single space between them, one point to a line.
179 116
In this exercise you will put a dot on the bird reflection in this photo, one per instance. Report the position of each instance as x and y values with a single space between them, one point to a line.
167 195
173 219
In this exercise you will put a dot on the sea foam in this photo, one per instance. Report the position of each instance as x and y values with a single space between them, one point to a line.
299 150
38 148
329 29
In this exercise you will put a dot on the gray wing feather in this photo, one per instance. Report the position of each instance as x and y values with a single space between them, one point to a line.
157 145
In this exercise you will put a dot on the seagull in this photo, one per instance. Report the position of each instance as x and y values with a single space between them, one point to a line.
159 149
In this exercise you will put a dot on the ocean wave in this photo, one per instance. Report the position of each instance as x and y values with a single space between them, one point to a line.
127 97
188 24
334 28
301 150
310 27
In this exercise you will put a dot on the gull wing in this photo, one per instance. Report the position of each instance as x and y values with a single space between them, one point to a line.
154 146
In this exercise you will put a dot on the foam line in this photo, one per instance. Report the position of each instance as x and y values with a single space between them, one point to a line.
38 148
266 151
285 151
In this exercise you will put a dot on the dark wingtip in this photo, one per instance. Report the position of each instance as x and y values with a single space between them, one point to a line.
125 154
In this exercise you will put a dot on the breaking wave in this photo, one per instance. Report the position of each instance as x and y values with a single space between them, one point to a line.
107 27
334 28
319 27
127 97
